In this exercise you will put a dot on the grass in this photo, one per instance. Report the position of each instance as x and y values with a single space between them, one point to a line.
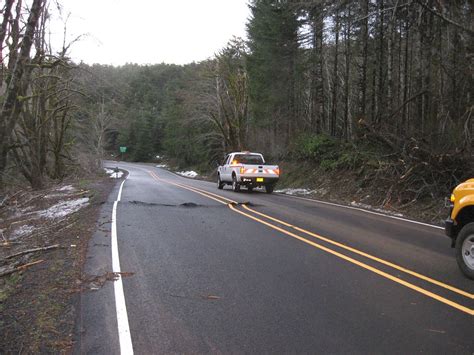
9 284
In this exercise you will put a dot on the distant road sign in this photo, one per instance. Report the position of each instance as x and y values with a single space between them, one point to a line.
123 149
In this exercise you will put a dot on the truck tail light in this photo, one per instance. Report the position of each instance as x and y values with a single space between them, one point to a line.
277 171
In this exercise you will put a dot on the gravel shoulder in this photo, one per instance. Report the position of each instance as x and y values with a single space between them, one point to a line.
44 237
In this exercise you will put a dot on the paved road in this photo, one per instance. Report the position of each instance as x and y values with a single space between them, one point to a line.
275 275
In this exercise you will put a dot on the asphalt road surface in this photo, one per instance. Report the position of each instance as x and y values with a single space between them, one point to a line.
211 271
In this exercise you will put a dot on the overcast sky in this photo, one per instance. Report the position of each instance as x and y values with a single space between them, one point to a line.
149 31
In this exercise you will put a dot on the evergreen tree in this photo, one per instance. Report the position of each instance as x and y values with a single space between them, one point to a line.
273 43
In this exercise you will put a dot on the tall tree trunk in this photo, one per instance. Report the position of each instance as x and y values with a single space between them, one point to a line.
12 105
404 122
381 66
335 86
390 40
7 10
347 118
316 105
364 38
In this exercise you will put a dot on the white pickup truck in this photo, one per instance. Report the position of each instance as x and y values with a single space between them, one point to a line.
248 169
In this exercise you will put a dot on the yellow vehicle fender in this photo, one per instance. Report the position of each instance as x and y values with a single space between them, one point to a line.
464 196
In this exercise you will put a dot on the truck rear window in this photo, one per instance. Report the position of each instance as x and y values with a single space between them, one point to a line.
251 159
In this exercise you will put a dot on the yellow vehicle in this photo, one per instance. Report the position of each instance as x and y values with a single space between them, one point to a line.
460 226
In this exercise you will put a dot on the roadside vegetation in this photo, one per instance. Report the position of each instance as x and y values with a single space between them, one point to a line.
376 88
368 102
377 91
51 187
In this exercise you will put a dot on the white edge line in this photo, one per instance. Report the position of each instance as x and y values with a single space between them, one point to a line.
344 206
125 338
362 210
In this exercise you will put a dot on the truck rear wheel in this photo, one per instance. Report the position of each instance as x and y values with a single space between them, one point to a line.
268 189
465 250
220 184
235 184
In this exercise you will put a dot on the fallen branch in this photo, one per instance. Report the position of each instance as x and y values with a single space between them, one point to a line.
29 251
8 198
8 244
406 102
19 268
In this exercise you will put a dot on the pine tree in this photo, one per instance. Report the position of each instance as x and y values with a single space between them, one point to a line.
273 43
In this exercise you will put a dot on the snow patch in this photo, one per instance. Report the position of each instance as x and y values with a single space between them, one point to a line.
62 191
371 208
190 174
162 166
64 208
22 231
113 174
67 188
289 191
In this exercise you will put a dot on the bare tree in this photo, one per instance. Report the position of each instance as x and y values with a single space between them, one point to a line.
15 88
231 117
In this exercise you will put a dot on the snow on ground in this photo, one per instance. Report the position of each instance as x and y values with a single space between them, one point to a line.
67 188
21 231
113 174
289 191
191 174
371 208
62 191
303 192
162 166
64 208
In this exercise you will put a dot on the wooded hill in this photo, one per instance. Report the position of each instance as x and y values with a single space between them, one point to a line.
382 88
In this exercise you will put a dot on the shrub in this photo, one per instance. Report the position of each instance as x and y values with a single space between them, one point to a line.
316 147
330 153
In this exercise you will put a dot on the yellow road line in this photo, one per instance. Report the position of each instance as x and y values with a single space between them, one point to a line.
356 251
200 193
209 193
365 266
330 251
195 188
368 256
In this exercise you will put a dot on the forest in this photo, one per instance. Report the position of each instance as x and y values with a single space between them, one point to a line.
379 89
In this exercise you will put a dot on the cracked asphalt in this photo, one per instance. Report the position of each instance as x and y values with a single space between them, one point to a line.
209 280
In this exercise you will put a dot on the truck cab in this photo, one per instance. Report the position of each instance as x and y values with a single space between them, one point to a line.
459 226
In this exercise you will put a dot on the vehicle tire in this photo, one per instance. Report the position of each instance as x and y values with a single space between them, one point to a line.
220 184
465 250
249 188
235 184
268 189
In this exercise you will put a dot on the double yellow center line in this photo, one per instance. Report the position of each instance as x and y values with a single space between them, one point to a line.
233 206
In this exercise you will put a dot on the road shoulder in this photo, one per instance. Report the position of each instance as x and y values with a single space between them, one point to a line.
39 303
